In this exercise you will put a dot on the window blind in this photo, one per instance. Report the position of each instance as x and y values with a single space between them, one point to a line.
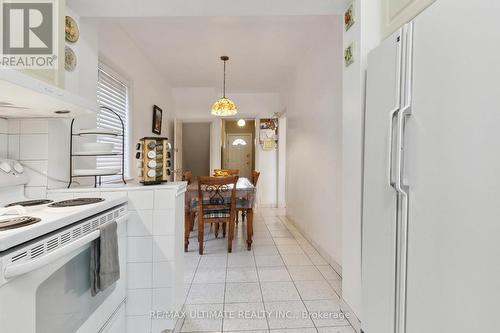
113 93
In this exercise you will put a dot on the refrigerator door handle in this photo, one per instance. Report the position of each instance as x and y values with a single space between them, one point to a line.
392 180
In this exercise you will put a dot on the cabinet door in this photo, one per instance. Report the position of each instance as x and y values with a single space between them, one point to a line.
399 12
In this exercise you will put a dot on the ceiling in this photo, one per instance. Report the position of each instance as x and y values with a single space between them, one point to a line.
263 50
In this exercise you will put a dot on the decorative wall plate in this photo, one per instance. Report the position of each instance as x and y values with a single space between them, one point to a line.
349 17
71 30
349 55
69 59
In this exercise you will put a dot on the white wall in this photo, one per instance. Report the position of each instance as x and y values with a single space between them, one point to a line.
365 34
147 86
314 143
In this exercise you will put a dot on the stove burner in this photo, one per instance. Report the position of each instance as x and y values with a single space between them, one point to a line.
76 202
30 203
17 222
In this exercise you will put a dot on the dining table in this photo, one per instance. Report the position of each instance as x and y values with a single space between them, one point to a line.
245 200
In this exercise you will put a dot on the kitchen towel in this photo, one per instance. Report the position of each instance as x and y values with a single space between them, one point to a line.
104 260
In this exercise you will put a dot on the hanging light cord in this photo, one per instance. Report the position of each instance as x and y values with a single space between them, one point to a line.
224 85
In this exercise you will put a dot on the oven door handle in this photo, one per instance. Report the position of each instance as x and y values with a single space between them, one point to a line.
15 270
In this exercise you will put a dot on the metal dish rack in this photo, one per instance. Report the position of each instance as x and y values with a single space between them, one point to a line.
97 177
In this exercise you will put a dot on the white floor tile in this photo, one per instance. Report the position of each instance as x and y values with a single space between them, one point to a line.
262 250
296 260
243 292
290 249
326 313
279 291
315 290
242 274
240 261
305 273
210 275
328 272
266 261
276 274
344 329
212 262
244 317
287 315
206 293
197 319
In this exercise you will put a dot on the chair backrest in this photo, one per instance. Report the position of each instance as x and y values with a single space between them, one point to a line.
216 193
255 177
187 176
226 172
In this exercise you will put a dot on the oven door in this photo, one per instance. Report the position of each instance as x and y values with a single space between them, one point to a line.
55 298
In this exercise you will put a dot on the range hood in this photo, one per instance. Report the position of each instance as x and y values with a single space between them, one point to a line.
22 96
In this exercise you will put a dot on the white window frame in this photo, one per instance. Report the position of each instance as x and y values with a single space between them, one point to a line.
128 128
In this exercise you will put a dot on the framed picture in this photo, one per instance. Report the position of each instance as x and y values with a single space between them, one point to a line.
349 55
157 117
349 17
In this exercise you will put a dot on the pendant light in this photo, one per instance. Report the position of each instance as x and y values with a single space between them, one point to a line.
224 107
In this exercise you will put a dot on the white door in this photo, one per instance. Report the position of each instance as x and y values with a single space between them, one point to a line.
452 168
239 153
380 198
178 150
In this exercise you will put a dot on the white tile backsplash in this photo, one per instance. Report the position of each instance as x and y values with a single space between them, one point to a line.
140 249
163 248
138 323
140 223
164 222
163 274
13 147
36 192
34 126
13 126
34 147
139 275
164 199
4 147
138 200
138 302
36 171
4 126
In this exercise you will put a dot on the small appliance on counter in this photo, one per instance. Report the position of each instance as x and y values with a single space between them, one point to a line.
154 158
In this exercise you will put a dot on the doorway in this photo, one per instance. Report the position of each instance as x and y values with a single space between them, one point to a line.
196 148
238 150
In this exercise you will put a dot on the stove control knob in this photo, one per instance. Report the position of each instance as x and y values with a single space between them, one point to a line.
18 167
5 167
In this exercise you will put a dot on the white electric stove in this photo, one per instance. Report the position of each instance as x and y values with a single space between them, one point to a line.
44 260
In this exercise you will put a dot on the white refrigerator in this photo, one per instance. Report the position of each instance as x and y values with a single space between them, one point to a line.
431 202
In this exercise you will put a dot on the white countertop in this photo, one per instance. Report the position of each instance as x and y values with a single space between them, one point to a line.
130 186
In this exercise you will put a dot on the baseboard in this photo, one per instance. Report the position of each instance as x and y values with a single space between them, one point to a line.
352 318
335 265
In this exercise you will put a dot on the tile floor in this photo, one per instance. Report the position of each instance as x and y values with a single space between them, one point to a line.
282 285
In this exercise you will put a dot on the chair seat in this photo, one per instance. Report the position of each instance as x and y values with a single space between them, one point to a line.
216 213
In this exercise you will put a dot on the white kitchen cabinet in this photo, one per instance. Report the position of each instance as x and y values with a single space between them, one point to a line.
54 76
398 12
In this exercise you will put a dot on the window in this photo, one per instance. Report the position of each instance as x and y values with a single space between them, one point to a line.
239 142
113 93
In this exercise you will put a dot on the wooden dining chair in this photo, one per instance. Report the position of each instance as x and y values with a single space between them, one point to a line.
254 180
226 172
187 176
217 204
